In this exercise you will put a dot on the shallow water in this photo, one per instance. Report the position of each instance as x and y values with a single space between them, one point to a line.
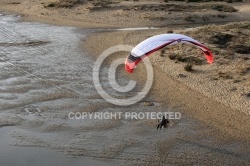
44 75
18 155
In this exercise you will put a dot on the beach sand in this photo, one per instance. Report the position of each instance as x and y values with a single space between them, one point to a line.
215 96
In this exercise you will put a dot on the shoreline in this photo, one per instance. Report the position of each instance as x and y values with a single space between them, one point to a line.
27 16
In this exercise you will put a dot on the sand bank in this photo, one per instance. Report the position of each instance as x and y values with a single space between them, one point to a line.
197 93
113 14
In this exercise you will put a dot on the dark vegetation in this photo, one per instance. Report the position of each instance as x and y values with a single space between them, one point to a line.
171 7
72 3
64 3
181 57
190 18
221 39
223 8
188 59
248 95
188 67
148 7
241 49
231 42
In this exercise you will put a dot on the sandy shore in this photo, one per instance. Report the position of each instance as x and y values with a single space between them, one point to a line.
217 95
110 14
198 94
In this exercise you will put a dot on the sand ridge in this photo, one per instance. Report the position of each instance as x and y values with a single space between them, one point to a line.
108 14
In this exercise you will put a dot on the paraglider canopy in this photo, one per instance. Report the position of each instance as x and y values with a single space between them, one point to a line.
157 42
